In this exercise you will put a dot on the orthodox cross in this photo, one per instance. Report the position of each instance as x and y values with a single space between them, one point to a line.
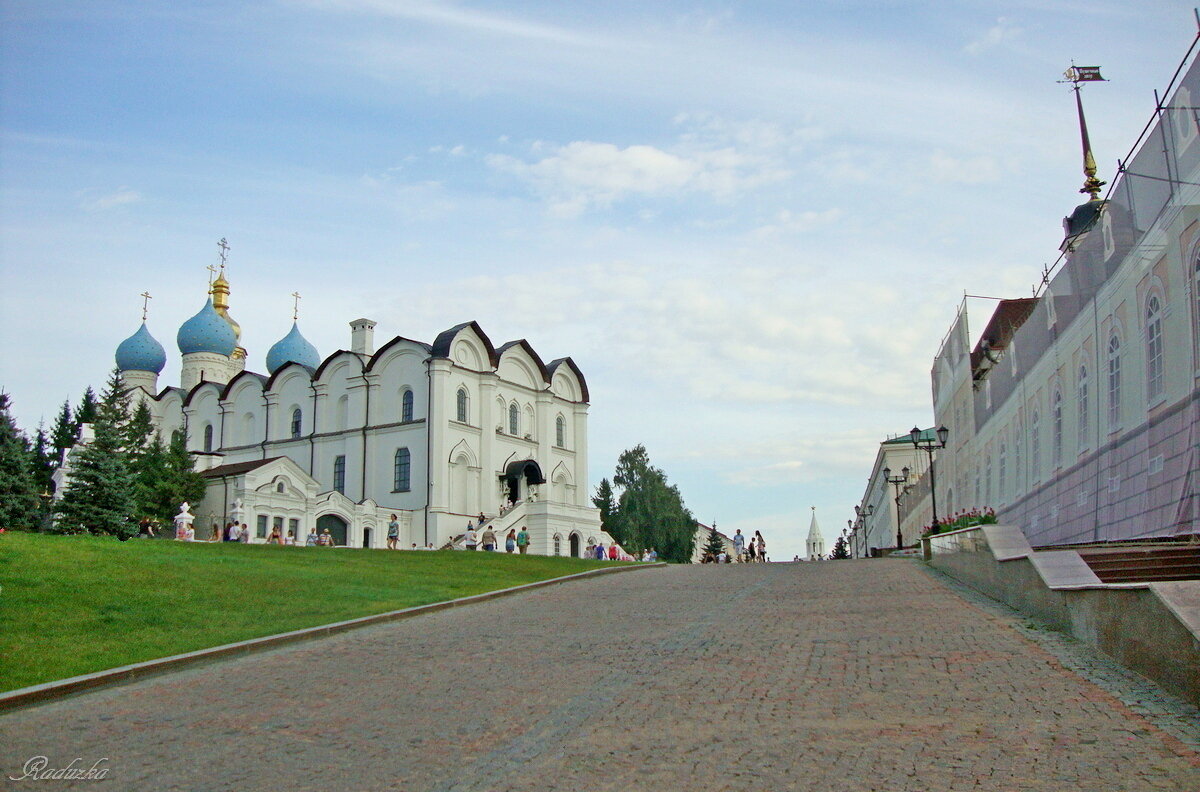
211 271
145 303
224 246
295 306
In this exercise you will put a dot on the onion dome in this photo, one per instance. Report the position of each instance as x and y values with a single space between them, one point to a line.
207 331
141 352
292 348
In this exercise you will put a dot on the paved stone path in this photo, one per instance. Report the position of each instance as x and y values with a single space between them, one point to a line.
855 675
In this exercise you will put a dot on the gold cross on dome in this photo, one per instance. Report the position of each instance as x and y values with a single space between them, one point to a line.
211 272
295 306
145 303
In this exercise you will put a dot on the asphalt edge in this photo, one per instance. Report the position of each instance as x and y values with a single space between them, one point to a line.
63 688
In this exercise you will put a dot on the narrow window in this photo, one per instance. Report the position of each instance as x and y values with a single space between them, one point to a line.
1057 412
462 405
262 526
1154 348
1002 483
1035 445
1114 382
280 488
560 432
208 438
403 470
339 474
557 544
297 419
1081 404
514 419
406 406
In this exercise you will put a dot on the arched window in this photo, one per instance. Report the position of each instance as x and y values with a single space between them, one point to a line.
208 438
557 544
297 421
987 482
1081 404
1154 348
406 406
1057 417
339 474
462 405
1114 382
1003 482
403 471
1035 445
280 487
560 432
514 419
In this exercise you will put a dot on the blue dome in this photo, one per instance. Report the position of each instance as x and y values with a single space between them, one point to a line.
292 348
141 352
207 331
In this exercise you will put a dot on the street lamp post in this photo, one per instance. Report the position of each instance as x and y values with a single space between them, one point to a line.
861 524
897 482
929 445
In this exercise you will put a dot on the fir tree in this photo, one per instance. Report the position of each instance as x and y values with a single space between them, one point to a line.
65 430
100 496
176 482
19 507
606 502
840 549
44 460
86 411
714 545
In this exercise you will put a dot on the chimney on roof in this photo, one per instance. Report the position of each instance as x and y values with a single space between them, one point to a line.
362 336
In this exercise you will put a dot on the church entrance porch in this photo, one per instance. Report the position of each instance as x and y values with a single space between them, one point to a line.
337 528
520 476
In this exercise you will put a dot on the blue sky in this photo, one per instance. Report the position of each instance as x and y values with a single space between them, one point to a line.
749 223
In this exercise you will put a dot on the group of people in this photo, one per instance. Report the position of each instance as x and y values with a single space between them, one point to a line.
514 541
744 552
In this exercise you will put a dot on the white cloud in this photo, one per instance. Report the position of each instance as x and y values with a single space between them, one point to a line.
1003 31
122 197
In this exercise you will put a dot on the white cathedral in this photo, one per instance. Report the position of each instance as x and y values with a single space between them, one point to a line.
436 434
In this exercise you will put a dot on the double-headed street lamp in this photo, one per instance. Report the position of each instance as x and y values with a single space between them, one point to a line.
861 524
929 445
897 482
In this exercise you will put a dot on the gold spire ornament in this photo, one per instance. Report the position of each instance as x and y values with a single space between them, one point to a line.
220 297
1076 75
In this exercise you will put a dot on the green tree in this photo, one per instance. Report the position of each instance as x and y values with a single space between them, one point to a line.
177 480
714 545
43 460
840 549
100 496
65 431
650 511
606 501
19 506
86 411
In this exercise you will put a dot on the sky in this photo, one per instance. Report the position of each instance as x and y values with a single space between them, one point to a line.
750 224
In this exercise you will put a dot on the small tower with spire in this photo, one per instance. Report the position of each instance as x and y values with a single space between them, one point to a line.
816 540
140 358
1081 221
209 340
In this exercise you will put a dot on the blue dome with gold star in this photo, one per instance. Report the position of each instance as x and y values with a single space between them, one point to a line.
141 352
292 348
207 331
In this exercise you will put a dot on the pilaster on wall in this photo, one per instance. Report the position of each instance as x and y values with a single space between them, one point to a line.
487 443
440 408
582 483
544 431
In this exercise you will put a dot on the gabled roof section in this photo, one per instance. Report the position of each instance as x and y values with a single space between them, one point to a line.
566 361
383 350
169 390
199 386
237 468
329 360
243 375
285 368
523 344
445 340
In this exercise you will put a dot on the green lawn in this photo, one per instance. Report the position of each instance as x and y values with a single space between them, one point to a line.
76 604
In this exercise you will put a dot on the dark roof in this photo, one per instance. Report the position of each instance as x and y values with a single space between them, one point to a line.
235 468
1006 320
906 438
554 364
321 368
262 381
397 340
441 344
542 370
312 373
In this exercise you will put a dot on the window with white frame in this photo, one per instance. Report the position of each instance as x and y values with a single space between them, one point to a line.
1002 483
1114 382
406 405
402 471
1057 417
1196 300
1154 348
560 432
514 419
339 474
208 438
1035 445
462 405
297 423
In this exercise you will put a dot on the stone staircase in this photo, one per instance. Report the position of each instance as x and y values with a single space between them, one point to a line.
1134 564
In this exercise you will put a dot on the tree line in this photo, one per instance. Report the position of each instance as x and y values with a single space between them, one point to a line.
124 475
640 509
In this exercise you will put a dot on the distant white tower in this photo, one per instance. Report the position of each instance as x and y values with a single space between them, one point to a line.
816 542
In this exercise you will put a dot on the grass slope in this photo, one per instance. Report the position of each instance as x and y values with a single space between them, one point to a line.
76 604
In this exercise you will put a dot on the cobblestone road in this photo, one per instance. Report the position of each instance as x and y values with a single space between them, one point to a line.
856 675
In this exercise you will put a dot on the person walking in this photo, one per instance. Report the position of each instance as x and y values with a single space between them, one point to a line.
393 539
522 540
470 538
244 535
510 541
739 543
489 540
613 553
